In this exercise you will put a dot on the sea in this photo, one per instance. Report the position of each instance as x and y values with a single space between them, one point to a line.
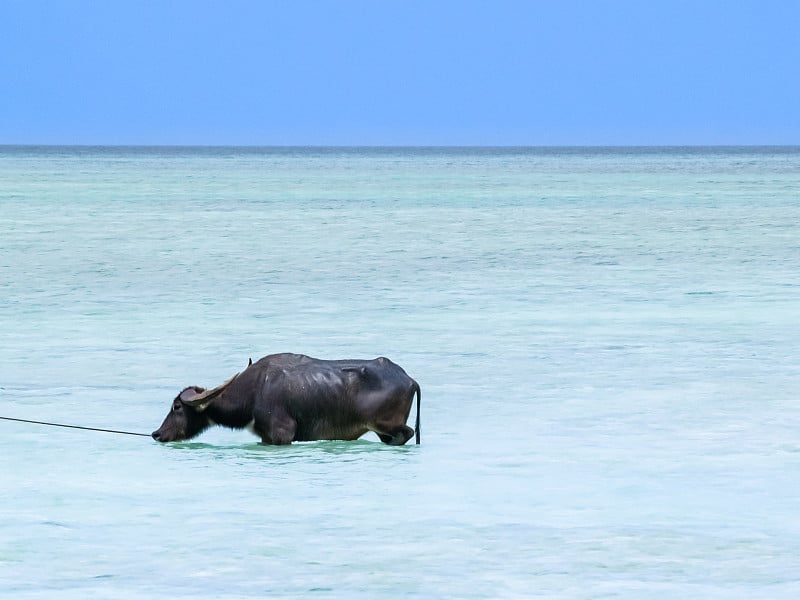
607 342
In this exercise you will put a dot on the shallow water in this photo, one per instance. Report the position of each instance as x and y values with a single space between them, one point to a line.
606 341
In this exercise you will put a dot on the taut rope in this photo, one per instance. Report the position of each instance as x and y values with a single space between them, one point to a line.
73 426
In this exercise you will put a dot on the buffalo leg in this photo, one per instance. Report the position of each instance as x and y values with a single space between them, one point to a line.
396 436
280 430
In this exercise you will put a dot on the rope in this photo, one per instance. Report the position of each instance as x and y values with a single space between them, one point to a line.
73 426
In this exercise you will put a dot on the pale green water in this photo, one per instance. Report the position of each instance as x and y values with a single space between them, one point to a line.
606 340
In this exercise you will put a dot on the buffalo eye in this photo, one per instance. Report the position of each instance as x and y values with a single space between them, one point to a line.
177 406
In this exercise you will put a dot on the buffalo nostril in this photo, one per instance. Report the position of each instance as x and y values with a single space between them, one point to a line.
156 436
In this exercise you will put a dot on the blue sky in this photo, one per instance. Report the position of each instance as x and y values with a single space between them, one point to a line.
400 72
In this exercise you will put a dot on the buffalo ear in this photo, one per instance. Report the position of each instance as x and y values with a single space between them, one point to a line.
201 400
190 392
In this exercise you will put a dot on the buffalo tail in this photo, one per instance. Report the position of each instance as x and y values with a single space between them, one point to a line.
419 401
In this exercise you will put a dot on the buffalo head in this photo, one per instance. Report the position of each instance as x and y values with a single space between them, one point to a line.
187 417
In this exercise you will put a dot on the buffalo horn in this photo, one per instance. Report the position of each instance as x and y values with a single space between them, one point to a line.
209 395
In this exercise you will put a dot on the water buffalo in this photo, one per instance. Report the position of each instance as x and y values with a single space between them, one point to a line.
291 397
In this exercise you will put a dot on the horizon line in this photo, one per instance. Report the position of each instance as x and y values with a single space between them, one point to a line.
393 146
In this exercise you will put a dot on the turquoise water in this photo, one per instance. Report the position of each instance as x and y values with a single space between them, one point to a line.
606 341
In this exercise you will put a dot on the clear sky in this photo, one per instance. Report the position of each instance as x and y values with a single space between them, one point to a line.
400 72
